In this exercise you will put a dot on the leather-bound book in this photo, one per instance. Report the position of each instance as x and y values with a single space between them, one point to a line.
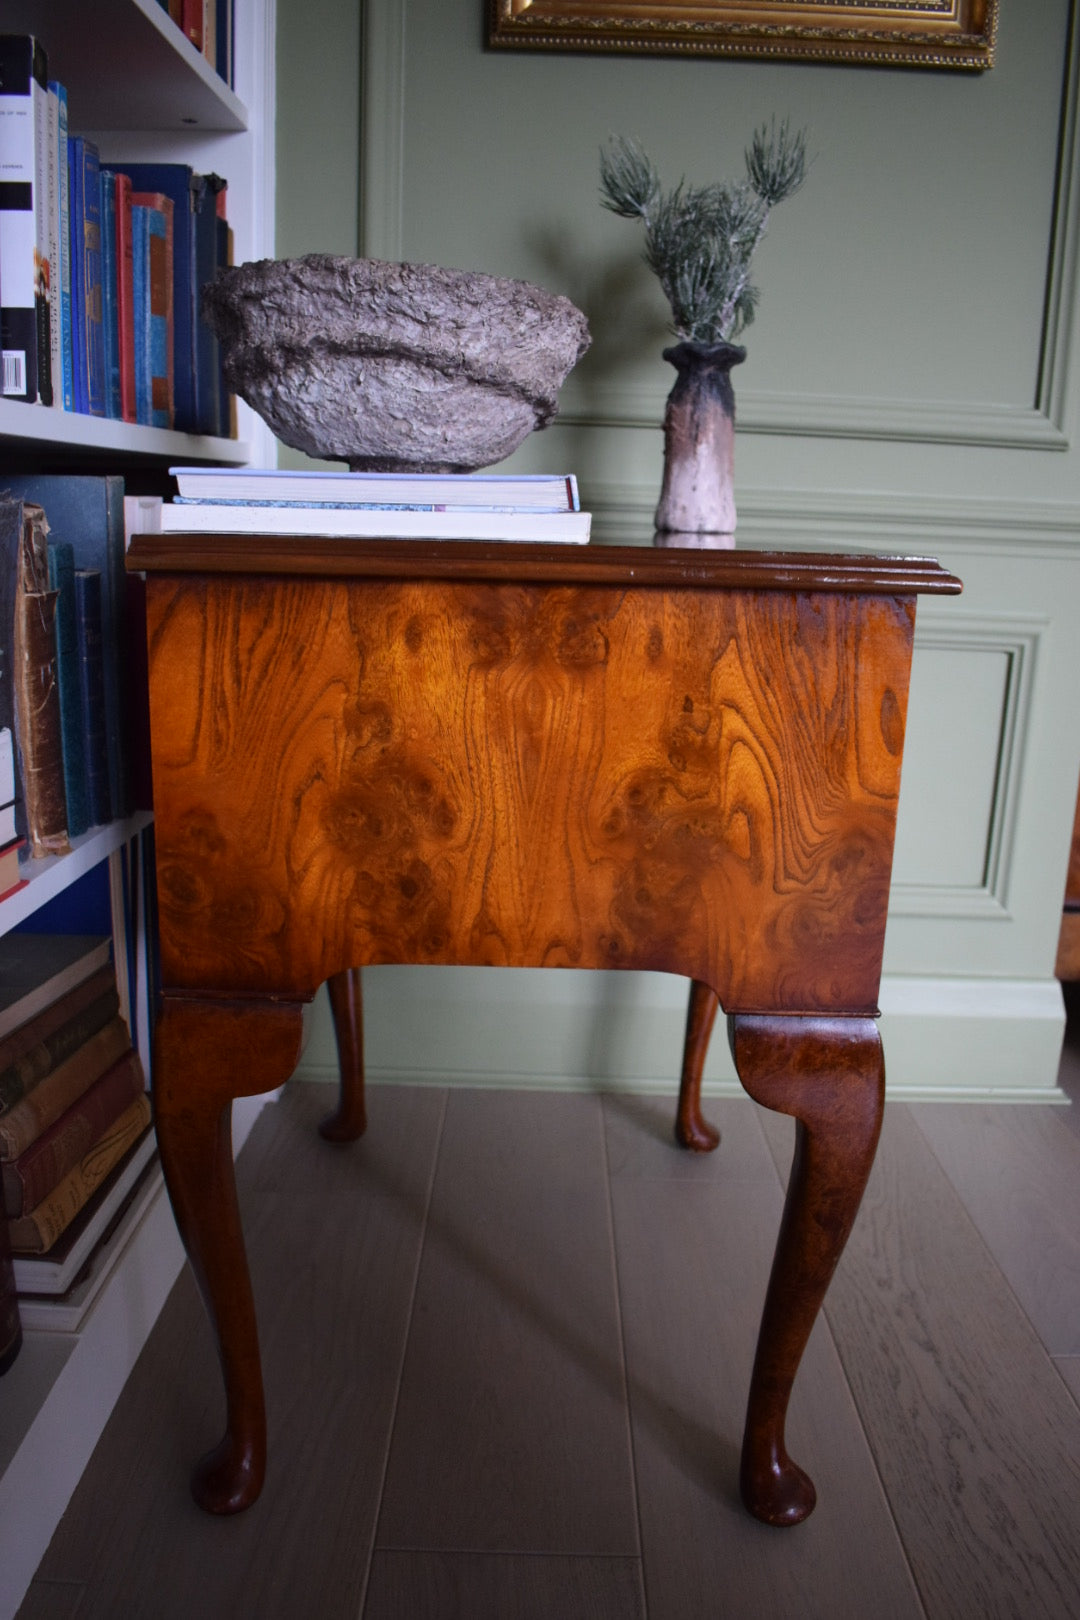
37 693
10 1325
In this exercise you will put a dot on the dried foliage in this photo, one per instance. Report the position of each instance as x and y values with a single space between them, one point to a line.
699 240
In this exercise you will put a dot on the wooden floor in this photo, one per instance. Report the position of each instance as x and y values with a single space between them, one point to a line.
507 1341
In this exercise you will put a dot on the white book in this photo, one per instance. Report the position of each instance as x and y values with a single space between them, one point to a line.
251 486
362 522
7 766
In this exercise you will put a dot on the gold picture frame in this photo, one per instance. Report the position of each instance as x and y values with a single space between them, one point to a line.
935 33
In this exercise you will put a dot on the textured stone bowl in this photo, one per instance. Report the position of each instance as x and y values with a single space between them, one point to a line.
393 366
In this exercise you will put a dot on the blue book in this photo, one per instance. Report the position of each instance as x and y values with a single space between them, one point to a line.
67 379
86 279
109 309
88 512
79 377
88 607
62 581
189 196
140 298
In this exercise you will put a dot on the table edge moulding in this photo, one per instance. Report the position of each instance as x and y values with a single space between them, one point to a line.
680 761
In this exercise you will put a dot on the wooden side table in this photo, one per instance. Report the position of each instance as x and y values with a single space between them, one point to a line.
496 754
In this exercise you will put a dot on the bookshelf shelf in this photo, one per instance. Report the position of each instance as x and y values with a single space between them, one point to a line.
51 876
146 76
70 435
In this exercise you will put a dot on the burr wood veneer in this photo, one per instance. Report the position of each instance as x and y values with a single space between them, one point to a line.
614 758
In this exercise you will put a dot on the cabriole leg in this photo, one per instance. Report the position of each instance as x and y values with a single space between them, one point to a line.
349 1120
205 1054
828 1073
691 1129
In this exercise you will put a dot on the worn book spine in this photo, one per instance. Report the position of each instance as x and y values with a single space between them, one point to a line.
52 1096
158 329
125 296
29 1178
92 286
37 1232
37 694
48 1040
10 1324
109 309
88 622
62 581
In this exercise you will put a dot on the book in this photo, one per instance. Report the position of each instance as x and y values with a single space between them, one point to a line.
24 295
8 828
251 486
52 1306
125 296
37 1232
51 268
189 196
37 969
10 1322
10 541
37 694
43 1042
11 877
88 511
206 190
48 1158
375 522
110 318
87 325
152 275
62 581
92 714
56 1093
54 1271
63 387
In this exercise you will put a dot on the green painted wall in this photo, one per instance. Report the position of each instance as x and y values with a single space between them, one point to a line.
911 386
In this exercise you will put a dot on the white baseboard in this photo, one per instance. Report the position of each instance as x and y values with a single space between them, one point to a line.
952 1039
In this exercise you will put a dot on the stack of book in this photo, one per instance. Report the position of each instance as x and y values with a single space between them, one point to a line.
421 506
74 1114
101 267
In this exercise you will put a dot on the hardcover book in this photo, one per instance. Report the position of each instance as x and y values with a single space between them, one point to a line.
37 694
152 253
499 492
62 581
87 320
24 269
37 969
37 1232
109 303
55 1094
59 1148
48 1039
356 522
64 385
125 296
92 716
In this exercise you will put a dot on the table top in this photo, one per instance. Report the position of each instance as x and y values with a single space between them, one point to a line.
643 566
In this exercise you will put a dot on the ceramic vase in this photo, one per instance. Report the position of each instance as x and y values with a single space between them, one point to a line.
697 499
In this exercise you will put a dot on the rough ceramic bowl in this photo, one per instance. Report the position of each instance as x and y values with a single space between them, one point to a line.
393 366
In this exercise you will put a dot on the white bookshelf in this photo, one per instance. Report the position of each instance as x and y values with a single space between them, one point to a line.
141 91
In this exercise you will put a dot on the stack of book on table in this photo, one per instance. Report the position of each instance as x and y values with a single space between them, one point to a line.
75 1133
417 506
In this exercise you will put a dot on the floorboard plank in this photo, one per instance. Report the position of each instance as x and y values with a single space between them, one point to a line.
500 1586
511 1431
1019 1177
333 1265
694 1247
976 1438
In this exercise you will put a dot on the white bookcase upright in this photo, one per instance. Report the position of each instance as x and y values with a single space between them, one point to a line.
141 91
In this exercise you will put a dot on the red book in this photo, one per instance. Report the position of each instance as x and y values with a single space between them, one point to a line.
191 21
32 1176
125 298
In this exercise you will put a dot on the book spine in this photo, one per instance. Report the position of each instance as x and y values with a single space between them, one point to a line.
56 1093
55 1043
160 288
32 1176
109 307
177 182
92 287
67 385
37 1232
191 15
10 1323
92 693
52 211
140 241
62 581
19 325
80 378
37 695
125 294
208 354
39 90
